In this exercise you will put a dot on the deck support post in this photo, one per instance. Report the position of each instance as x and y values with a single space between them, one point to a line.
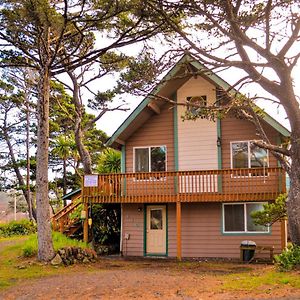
283 234
178 229
85 224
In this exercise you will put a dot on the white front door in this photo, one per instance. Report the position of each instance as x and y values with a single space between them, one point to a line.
156 229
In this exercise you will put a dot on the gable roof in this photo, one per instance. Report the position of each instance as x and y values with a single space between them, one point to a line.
115 140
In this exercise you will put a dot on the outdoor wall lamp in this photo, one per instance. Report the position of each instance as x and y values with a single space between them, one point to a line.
219 142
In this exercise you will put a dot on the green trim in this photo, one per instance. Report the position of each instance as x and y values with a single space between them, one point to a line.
123 159
146 100
123 166
278 143
67 196
276 125
167 231
219 150
209 74
145 231
156 255
222 83
175 132
246 234
280 177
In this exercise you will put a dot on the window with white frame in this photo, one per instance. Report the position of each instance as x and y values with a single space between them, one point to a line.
196 104
150 159
237 218
246 154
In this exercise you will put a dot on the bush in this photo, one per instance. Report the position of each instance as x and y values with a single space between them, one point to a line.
30 247
23 227
289 258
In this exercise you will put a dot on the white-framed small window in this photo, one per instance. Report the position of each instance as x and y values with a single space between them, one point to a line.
237 218
150 159
245 154
195 104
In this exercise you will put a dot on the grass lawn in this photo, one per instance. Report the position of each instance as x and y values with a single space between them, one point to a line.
14 267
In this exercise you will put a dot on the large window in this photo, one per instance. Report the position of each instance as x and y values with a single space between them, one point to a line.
150 159
237 218
247 155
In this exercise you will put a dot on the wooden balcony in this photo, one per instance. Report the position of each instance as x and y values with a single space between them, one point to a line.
259 184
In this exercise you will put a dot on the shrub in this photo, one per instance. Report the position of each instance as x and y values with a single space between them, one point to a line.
22 227
30 246
289 258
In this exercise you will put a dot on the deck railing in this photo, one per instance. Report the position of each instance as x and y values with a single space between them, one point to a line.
187 186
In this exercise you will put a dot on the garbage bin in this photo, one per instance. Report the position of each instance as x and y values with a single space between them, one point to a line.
247 250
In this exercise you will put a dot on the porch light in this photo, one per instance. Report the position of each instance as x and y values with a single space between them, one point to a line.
140 209
219 142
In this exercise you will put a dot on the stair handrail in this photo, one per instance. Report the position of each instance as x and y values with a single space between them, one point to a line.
67 207
58 219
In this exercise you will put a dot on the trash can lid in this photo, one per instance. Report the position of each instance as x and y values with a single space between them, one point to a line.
248 243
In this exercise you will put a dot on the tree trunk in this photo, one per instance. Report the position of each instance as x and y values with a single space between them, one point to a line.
18 174
32 214
45 245
65 180
293 201
83 152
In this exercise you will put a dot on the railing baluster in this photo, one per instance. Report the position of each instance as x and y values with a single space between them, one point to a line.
203 185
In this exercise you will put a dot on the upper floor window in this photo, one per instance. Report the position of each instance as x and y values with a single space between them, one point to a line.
247 155
237 218
194 104
150 159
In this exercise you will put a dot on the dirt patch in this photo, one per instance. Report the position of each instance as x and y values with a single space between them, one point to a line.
155 279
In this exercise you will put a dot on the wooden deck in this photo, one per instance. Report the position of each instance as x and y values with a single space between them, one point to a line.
259 184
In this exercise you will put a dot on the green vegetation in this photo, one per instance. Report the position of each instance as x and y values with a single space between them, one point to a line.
289 258
15 268
272 212
23 227
252 281
30 246
109 161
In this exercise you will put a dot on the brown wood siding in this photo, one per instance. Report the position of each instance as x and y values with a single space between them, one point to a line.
202 233
157 131
232 130
133 224
241 130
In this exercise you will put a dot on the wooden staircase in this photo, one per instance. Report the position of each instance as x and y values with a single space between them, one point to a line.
62 222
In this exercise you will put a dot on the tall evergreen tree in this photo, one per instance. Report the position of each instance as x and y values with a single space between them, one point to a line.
49 36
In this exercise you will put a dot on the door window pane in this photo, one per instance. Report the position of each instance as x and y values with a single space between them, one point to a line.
156 221
251 207
158 159
234 217
240 155
142 160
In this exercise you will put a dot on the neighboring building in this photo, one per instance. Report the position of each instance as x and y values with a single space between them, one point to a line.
187 188
7 213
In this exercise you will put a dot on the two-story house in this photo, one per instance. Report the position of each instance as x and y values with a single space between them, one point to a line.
188 187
